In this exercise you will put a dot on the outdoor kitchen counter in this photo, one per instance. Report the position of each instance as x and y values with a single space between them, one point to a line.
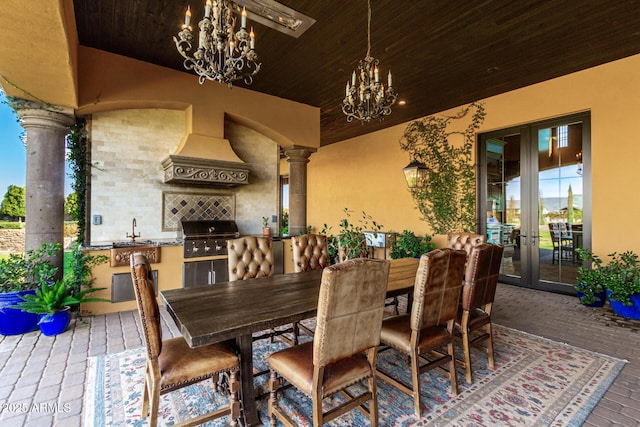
169 271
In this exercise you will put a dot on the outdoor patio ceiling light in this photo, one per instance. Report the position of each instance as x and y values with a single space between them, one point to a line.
223 55
366 98
416 174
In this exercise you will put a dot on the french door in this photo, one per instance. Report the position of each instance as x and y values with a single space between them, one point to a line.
534 198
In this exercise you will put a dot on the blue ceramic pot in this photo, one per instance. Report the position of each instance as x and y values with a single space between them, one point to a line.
14 321
600 303
55 324
628 311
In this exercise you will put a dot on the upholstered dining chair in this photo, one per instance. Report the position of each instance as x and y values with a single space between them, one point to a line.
465 241
250 257
172 364
310 252
436 297
345 345
474 316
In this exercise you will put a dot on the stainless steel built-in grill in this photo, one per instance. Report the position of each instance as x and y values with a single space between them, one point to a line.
207 237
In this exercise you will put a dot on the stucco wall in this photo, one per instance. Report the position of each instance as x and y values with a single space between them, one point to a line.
366 172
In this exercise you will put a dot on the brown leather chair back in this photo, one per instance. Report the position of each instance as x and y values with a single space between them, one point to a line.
483 270
250 257
465 241
350 309
437 288
147 304
310 252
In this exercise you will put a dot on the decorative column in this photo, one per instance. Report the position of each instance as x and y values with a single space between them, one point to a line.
46 127
298 157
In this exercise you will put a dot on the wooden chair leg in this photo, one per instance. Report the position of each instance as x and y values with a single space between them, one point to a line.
453 376
373 404
145 397
317 408
490 356
415 383
273 399
154 404
467 355
234 403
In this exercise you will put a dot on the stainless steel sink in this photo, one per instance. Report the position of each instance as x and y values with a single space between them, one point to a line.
122 251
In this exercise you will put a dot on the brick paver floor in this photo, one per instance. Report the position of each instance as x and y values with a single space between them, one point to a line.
43 379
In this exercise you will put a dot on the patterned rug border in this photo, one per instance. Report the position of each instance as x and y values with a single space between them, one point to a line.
95 398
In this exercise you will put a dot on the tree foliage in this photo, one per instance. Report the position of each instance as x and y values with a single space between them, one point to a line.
13 204
71 206
447 200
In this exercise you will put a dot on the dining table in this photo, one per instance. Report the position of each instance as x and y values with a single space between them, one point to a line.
235 310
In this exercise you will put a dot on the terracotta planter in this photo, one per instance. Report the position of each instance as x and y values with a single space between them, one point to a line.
266 232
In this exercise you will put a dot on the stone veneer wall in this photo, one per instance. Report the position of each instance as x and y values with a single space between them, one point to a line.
128 147
12 241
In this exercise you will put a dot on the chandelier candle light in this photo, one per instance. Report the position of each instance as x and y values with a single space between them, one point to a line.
365 97
223 55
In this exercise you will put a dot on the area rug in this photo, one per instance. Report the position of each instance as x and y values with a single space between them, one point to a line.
536 382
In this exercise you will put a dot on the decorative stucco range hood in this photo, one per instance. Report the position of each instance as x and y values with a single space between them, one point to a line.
203 160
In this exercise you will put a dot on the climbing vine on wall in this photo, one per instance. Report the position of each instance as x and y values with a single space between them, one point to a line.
78 160
447 200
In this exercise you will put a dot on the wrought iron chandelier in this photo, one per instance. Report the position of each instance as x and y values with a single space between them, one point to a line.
366 98
223 55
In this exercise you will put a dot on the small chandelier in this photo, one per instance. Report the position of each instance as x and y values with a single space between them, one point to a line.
366 98
222 55
416 174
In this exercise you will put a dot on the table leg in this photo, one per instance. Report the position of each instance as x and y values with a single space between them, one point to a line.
247 395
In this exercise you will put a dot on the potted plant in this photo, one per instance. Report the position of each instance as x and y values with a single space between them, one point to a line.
408 245
590 286
21 274
52 304
622 283
266 231
350 242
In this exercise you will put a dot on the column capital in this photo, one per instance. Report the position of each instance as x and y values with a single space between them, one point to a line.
298 153
35 114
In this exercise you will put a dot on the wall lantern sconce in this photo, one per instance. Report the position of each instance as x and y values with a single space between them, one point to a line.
416 174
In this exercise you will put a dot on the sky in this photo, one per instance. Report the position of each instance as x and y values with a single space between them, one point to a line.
13 155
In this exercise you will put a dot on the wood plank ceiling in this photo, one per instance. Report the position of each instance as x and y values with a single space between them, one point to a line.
442 53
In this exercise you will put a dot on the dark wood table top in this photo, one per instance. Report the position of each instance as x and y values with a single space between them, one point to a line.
213 313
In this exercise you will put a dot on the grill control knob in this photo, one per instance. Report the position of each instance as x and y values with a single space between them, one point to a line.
194 249
218 247
206 247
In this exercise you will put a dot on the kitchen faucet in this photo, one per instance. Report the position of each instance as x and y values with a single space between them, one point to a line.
133 231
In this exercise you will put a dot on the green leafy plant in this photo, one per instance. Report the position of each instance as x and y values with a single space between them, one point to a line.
590 280
408 245
21 272
447 199
49 299
81 263
77 155
350 241
620 276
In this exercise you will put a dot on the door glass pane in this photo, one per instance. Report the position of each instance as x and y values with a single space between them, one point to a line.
503 200
560 204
